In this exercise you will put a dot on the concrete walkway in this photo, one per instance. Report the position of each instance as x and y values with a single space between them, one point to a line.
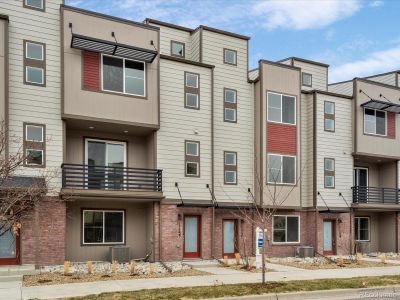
225 277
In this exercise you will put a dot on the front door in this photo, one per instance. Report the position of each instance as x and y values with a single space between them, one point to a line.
191 232
230 241
9 248
329 237
361 182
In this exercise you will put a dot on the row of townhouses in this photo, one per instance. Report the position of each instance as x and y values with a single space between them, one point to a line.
160 134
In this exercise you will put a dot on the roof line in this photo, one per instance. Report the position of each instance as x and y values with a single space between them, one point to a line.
377 83
117 19
382 74
326 93
305 60
232 34
186 61
279 64
166 24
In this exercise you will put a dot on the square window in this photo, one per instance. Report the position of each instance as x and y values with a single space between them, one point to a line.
281 108
34 157
34 133
329 164
192 148
39 4
103 227
329 108
281 169
192 169
230 177
230 114
329 125
229 57
230 96
177 49
34 51
306 79
34 75
286 229
192 100
230 158
329 181
192 80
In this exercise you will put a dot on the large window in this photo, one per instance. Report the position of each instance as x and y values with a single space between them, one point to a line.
125 76
362 228
34 145
230 105
177 49
34 63
192 90
281 169
192 158
230 167
230 57
329 173
103 227
281 108
286 229
329 116
374 121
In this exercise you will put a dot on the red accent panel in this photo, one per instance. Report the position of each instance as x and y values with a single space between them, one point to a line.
91 70
391 125
281 138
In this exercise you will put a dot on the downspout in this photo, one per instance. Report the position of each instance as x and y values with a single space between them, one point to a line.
212 160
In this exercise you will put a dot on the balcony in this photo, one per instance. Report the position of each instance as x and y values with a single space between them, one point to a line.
375 195
104 181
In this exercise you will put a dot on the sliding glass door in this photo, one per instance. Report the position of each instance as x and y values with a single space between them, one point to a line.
105 162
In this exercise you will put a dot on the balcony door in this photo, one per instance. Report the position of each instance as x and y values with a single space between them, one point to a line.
361 182
105 162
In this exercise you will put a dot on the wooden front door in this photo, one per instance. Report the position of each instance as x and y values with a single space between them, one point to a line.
230 238
329 237
9 248
191 232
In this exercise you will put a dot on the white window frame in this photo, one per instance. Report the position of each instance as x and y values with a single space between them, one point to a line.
123 76
103 243
180 44
33 82
26 157
302 79
230 90
295 109
41 7
197 149
281 173
386 129
197 169
197 100
36 44
26 133
357 219
230 182
197 80
325 169
225 118
273 225
230 153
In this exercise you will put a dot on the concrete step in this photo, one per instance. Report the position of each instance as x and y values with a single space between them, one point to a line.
18 270
198 264
11 278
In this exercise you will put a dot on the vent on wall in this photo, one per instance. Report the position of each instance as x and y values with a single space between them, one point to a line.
120 253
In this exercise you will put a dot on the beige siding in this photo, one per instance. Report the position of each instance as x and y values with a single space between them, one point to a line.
306 172
319 75
238 136
253 74
28 103
337 145
344 88
385 78
168 34
195 46
179 124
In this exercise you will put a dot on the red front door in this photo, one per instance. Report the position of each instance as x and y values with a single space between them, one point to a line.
329 237
191 232
229 238
9 248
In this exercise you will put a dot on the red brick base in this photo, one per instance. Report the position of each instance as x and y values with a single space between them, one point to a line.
43 234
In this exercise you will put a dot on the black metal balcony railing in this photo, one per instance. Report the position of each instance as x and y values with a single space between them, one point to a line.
77 176
375 195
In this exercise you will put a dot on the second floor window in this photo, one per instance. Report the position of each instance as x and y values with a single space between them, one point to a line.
281 108
281 169
125 76
329 116
177 49
230 105
34 63
34 145
192 158
374 121
192 90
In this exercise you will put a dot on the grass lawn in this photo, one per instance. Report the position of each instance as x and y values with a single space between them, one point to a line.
248 289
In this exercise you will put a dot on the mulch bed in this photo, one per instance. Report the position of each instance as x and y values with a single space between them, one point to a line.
243 268
58 278
347 265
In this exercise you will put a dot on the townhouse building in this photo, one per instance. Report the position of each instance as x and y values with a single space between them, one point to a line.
161 137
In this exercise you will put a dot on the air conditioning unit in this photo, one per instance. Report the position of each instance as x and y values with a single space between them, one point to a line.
120 253
363 247
305 251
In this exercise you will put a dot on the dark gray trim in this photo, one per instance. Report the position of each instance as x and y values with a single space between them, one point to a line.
278 65
233 168
191 90
4 17
328 94
35 8
226 62
262 126
191 158
293 58
330 116
201 45
34 145
108 17
314 162
230 105
166 24
215 30
179 43
330 173
40 64
302 81
186 61
378 83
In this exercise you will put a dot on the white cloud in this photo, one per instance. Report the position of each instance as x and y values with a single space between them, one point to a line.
377 62
376 3
301 14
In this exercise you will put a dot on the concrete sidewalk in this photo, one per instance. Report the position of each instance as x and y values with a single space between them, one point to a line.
86 288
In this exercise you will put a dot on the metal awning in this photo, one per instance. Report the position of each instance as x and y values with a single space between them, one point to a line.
382 105
112 48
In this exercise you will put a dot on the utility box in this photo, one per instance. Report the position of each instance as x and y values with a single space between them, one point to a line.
305 251
120 253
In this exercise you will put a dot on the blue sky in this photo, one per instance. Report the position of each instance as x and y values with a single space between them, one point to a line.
355 37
